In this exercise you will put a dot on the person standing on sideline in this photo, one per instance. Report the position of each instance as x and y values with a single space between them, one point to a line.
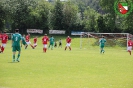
68 41
45 40
28 40
51 40
60 43
55 44
16 40
4 39
24 42
130 44
35 42
102 44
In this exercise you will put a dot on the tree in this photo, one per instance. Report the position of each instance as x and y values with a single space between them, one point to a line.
19 13
58 16
90 19
101 24
110 17
70 18
2 17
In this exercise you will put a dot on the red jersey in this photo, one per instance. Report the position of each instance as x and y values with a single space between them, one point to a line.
68 40
45 40
0 36
130 43
4 38
35 40
27 38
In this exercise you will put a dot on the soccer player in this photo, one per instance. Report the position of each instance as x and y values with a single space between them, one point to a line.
102 43
35 42
45 40
16 40
68 41
24 42
60 43
55 44
28 40
51 42
4 39
130 44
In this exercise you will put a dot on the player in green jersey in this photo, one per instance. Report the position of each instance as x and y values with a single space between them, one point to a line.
24 42
51 42
102 44
16 40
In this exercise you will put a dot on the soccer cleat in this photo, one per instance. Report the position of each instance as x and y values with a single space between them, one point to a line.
13 61
17 60
26 46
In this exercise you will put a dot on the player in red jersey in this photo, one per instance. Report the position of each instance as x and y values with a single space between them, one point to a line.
68 40
27 38
35 42
45 40
4 39
130 44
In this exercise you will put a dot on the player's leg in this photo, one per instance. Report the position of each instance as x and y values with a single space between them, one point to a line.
129 49
69 46
25 44
101 49
3 47
61 45
66 46
52 45
49 45
14 52
35 44
31 45
45 48
19 51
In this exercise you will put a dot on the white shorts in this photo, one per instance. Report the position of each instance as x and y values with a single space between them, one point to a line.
68 44
44 45
28 43
129 48
3 45
35 44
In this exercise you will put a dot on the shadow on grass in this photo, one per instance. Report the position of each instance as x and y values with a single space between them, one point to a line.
13 62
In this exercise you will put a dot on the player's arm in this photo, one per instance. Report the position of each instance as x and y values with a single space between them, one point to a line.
12 41
21 42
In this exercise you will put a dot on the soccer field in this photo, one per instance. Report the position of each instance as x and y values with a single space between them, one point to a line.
79 68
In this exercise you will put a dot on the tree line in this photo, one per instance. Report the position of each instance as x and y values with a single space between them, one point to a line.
73 15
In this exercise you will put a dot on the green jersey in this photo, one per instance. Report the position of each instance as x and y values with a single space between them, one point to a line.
16 38
51 40
102 42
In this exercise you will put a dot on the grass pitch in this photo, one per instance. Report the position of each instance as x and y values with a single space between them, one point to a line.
79 68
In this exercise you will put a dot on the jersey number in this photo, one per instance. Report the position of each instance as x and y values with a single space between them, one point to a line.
16 38
44 40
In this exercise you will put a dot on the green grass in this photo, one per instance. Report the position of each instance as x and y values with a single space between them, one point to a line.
79 68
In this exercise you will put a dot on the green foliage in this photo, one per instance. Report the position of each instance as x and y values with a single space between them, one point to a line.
70 13
90 19
2 17
58 16
81 15
101 24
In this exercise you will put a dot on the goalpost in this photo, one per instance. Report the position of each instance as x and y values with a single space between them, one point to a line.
88 39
